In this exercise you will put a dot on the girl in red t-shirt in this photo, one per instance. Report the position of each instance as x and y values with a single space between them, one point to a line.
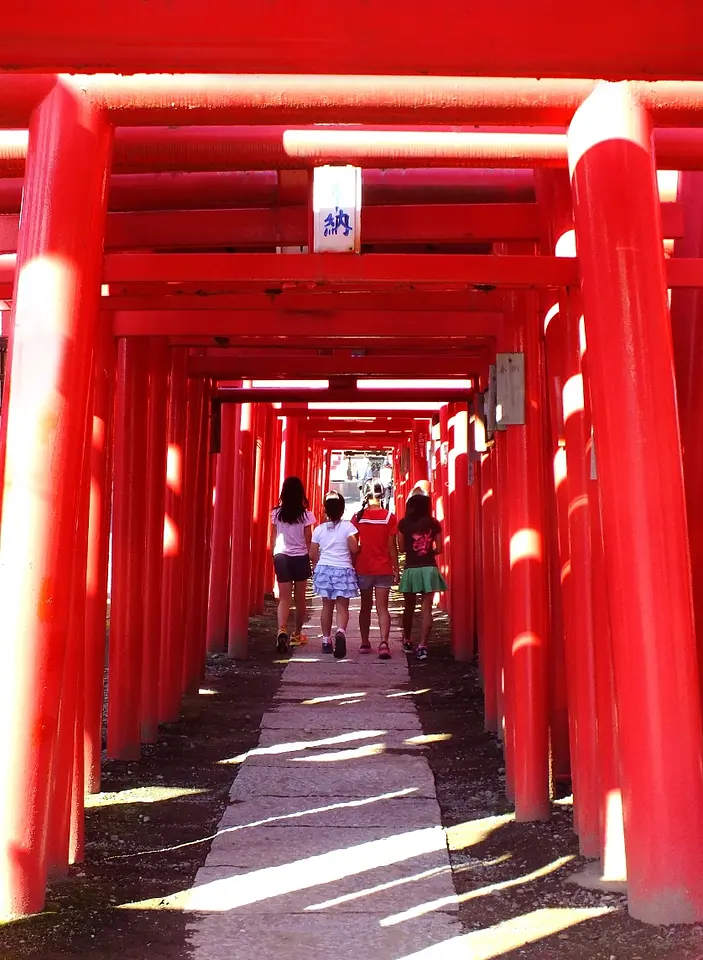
376 565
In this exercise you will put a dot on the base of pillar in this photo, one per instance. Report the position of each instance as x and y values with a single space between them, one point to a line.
591 878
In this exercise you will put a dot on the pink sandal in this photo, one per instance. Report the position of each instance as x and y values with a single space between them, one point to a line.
384 651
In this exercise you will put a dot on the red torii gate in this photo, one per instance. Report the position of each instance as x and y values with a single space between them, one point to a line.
611 167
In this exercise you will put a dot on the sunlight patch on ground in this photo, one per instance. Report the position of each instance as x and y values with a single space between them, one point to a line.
467 834
423 908
207 692
379 888
409 693
370 750
428 738
244 889
330 699
297 745
509 935
153 794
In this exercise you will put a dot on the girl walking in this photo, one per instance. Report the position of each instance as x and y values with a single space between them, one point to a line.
376 565
419 537
291 533
334 544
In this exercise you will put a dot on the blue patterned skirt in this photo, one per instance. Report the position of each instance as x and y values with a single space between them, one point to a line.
333 582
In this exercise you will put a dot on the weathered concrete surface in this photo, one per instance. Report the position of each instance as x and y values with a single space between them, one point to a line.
333 844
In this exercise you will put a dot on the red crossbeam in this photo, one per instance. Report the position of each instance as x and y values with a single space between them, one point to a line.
240 367
259 323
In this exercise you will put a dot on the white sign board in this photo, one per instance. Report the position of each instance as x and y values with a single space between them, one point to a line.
510 389
489 402
336 202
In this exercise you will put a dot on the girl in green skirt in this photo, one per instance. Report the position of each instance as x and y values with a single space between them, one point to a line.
420 539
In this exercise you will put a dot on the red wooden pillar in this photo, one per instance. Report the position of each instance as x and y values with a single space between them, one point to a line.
576 432
419 454
222 533
98 554
461 534
488 586
527 599
265 504
194 661
642 498
173 609
194 452
259 526
128 550
687 335
446 599
612 839
55 323
159 365
238 632
506 709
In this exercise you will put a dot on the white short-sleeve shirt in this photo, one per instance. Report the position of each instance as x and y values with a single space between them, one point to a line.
332 540
290 537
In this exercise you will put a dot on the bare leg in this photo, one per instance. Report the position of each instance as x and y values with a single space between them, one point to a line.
285 597
326 618
301 607
365 614
342 613
426 626
384 617
408 614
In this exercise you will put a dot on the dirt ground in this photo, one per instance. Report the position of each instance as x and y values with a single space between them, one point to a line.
468 770
149 832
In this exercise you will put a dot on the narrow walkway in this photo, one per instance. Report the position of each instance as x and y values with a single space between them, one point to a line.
334 834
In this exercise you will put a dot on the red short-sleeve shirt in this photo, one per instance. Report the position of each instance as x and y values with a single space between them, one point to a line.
375 527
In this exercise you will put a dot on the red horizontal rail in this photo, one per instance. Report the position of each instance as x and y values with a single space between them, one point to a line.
259 323
239 367
346 394
241 99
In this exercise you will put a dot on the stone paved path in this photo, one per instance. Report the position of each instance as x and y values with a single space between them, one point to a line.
332 846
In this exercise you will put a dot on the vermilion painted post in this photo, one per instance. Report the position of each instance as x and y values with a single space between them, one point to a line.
222 534
619 239
258 526
687 335
527 598
61 812
446 599
128 550
554 347
194 426
265 504
194 653
576 432
506 697
173 609
55 315
159 365
461 535
491 597
612 839
98 554
238 632
419 458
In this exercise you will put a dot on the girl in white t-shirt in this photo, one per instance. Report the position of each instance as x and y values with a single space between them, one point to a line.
334 543
291 531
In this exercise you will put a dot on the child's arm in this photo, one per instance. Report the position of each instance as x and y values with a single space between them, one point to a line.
308 535
272 537
314 553
400 542
393 550
353 543
438 541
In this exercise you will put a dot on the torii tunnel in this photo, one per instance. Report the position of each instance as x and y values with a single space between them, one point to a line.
518 325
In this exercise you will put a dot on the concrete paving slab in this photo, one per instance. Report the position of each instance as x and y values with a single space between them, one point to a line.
386 810
333 842
362 778
355 718
338 887
318 937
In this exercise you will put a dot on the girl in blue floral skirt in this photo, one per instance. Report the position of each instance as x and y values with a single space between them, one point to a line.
334 544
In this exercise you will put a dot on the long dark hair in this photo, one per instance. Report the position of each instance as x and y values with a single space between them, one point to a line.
372 491
334 506
418 508
292 504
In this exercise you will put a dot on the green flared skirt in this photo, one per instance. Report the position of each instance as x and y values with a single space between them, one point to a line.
422 580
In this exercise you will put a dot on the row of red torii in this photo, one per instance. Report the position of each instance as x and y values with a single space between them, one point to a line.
608 550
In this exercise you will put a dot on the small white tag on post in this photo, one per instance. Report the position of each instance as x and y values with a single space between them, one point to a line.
510 389
336 203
